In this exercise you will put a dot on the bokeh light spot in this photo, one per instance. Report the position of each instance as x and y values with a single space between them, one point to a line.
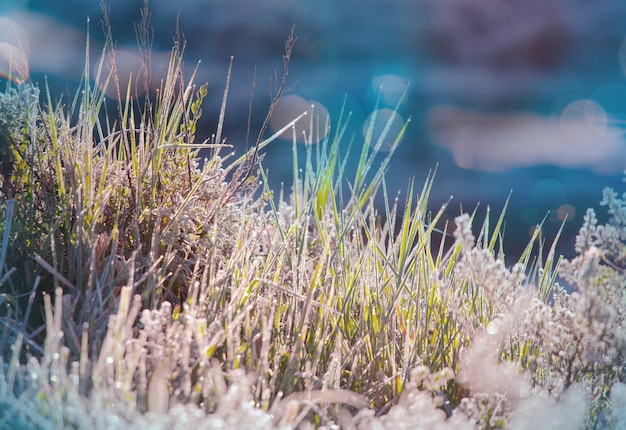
566 212
14 47
13 63
125 66
386 124
390 88
13 33
310 129
583 122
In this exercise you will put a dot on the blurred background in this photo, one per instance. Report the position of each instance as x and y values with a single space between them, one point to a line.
526 99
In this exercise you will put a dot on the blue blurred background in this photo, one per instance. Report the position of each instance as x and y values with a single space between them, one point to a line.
526 97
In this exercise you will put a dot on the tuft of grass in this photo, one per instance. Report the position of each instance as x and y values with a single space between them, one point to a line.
144 286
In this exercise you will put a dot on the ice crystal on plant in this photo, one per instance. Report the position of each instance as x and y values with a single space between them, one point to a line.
189 303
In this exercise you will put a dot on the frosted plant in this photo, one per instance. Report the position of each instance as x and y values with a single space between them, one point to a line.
184 298
580 337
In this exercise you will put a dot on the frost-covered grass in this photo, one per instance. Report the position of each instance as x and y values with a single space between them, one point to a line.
144 288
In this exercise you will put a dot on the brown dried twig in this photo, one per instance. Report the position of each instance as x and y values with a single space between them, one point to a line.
244 171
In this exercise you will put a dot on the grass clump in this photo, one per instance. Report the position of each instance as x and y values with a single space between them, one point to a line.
144 287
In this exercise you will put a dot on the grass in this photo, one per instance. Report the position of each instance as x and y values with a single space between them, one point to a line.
143 286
